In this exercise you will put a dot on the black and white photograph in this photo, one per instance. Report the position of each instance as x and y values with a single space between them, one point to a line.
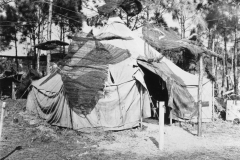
119 80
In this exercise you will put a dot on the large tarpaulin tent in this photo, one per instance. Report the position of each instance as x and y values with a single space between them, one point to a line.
101 85
101 81
118 108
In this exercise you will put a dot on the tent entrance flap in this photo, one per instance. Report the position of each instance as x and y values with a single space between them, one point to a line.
157 90
164 85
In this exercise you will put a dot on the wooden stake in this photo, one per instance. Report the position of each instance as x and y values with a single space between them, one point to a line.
161 124
170 117
2 117
13 91
200 81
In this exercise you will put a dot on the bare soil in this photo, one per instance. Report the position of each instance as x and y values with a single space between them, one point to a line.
26 137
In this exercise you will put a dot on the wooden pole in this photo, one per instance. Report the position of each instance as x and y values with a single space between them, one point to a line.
16 48
49 36
141 109
2 117
200 82
161 125
171 117
13 91
235 62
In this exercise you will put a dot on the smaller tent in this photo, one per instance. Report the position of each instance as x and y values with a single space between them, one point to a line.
179 89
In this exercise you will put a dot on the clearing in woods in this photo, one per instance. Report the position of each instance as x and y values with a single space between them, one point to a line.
26 137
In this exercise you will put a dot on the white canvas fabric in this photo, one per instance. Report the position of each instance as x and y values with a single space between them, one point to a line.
137 46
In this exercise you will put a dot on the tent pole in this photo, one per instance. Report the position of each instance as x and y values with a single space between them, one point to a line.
200 80
2 117
161 124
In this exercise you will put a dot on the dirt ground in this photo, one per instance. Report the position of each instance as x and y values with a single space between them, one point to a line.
26 137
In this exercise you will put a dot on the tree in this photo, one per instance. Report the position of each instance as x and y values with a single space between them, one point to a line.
67 15
188 13
223 21
9 29
31 21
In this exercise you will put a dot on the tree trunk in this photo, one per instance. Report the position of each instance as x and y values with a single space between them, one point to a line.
49 37
63 41
61 37
235 63
76 8
224 68
34 50
183 26
210 40
226 65
16 50
147 14
39 40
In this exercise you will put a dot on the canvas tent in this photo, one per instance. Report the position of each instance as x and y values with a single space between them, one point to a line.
118 108
102 88
165 78
100 85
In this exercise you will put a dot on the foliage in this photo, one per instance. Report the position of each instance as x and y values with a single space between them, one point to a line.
188 13
7 27
31 17
66 14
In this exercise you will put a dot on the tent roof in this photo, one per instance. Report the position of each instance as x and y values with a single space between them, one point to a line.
169 69
53 85
137 46
49 45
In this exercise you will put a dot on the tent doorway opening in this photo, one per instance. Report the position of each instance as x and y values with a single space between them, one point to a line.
158 92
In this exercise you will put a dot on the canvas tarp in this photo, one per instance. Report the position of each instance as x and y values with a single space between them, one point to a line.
85 72
136 46
118 108
102 84
182 89
87 62
166 39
